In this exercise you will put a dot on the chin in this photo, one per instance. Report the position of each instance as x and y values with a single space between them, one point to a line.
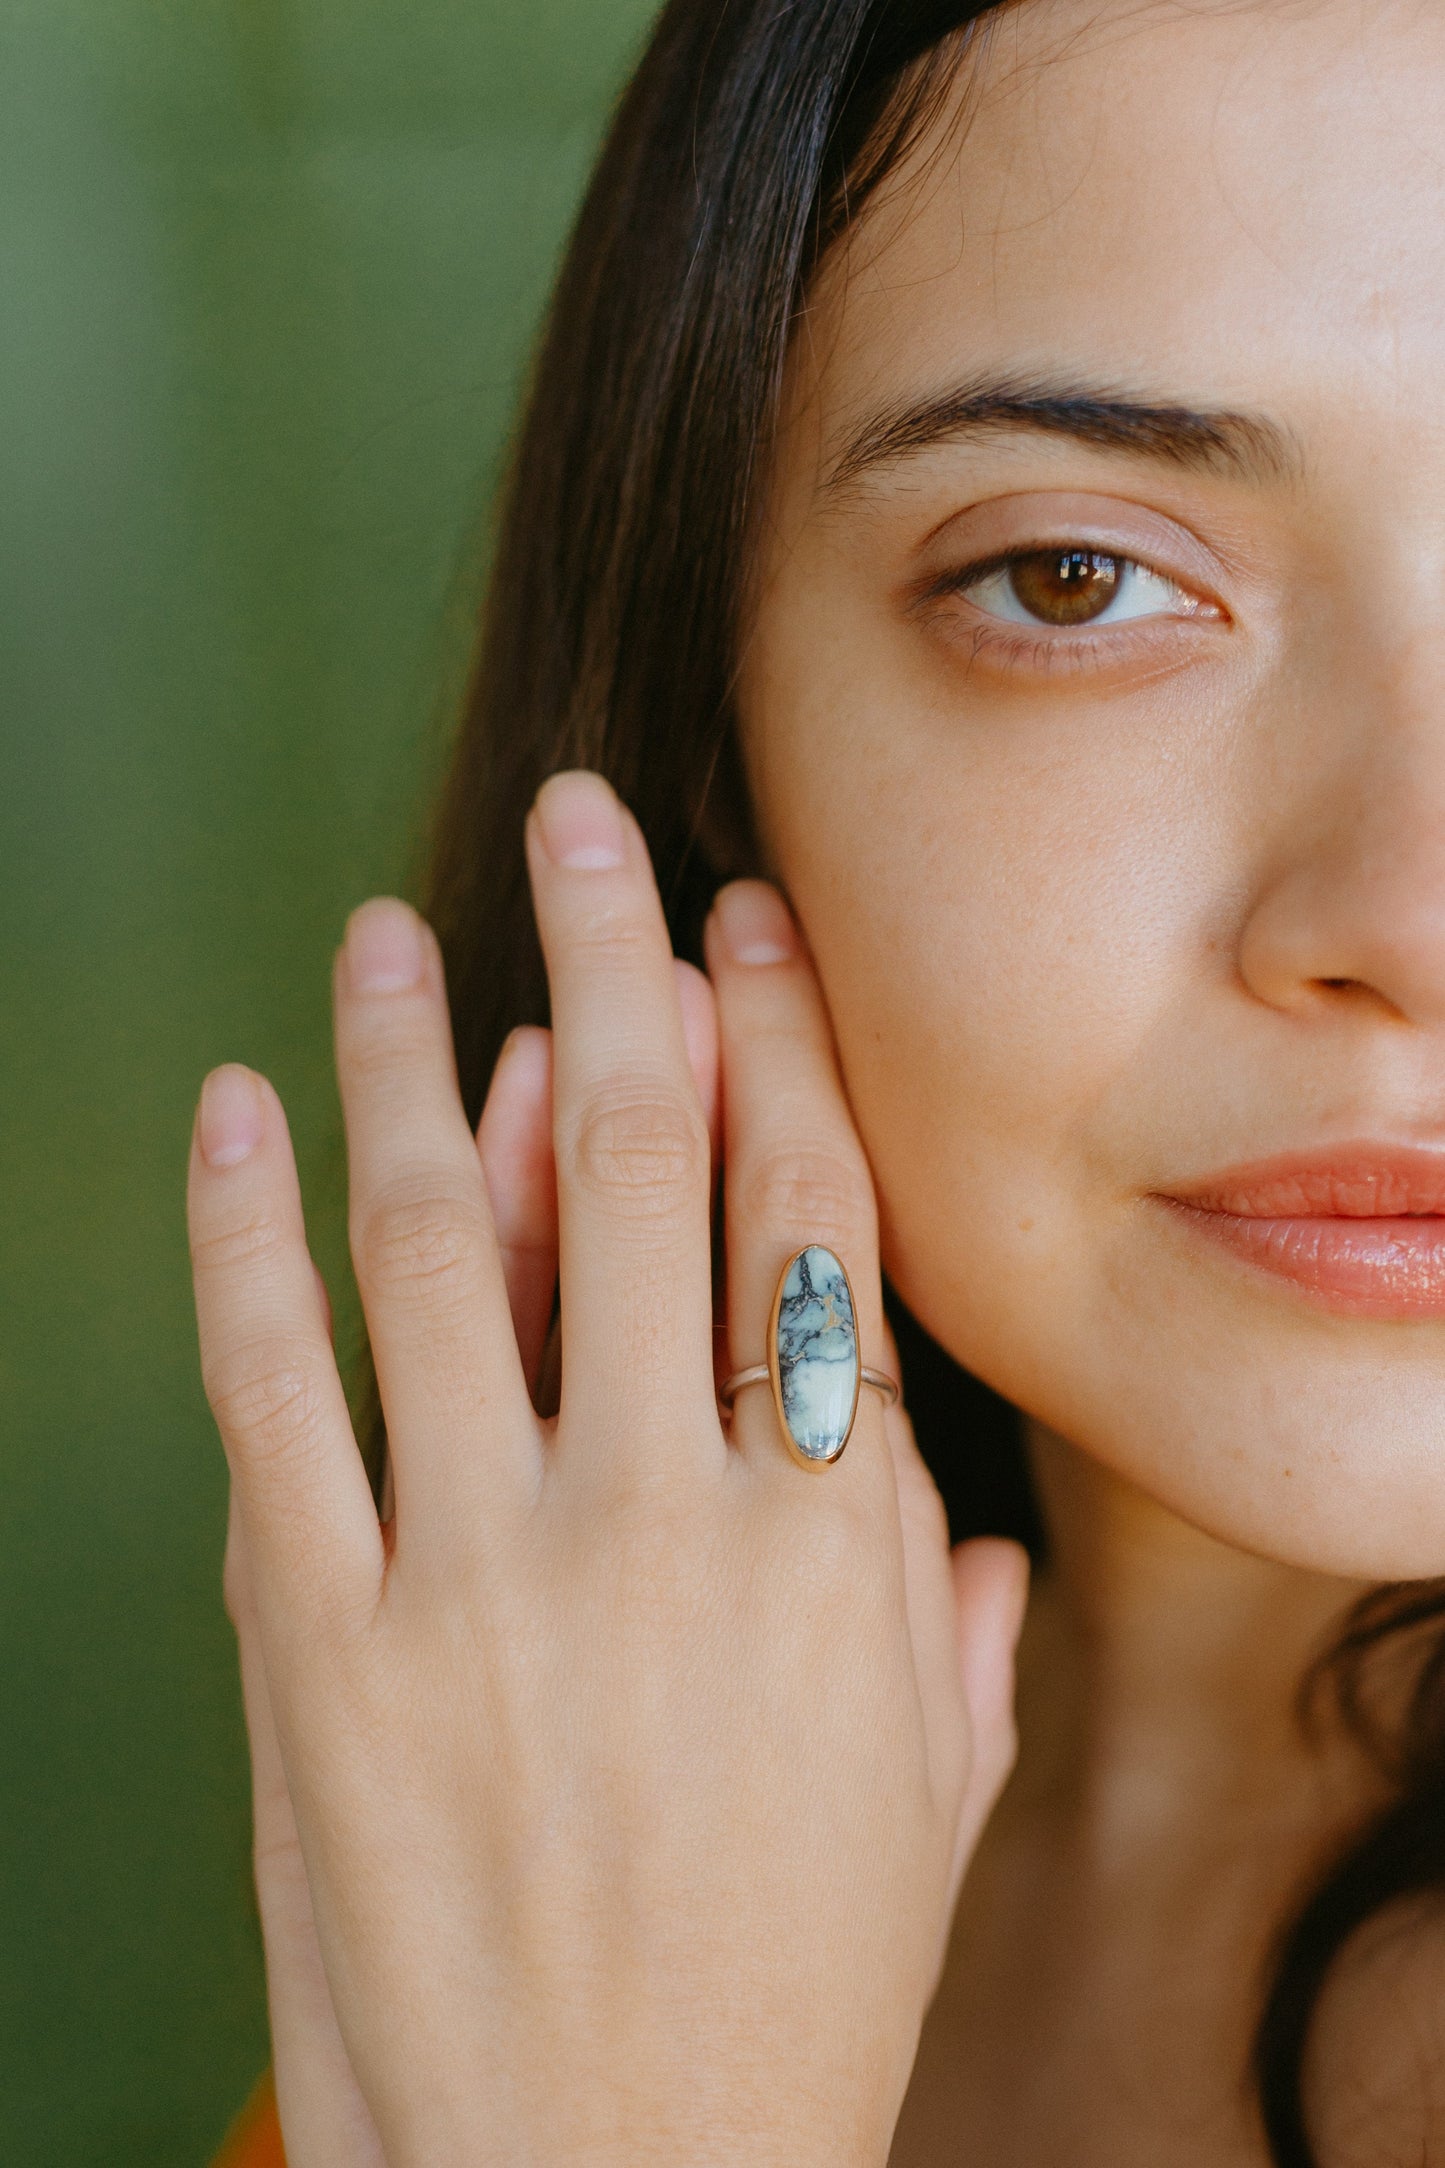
1297 1433
1287 1428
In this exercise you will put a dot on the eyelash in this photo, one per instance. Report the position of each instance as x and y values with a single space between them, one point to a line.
1052 648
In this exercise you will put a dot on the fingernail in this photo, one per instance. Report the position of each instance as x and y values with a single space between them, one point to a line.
581 822
755 923
232 1116
384 946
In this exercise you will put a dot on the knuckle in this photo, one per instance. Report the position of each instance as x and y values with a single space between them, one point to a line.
612 930
639 1148
645 1546
381 1040
425 1238
267 1400
638 1520
254 1240
820 1193
832 1550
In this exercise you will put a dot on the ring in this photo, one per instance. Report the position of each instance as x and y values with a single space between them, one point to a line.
813 1364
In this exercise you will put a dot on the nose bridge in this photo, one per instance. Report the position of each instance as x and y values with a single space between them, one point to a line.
1353 894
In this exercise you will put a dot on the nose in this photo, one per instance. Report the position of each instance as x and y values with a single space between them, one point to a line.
1350 908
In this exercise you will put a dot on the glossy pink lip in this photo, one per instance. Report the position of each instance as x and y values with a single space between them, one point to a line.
1358 1228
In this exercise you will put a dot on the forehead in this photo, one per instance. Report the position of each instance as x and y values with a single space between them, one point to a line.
1219 201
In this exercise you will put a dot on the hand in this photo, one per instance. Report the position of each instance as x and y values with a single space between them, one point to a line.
633 1767
326 2121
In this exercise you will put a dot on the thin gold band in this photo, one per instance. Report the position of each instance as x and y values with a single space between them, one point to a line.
759 1374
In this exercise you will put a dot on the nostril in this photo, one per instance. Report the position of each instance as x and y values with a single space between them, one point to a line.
1358 993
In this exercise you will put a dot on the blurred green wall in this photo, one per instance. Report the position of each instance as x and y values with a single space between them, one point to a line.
270 270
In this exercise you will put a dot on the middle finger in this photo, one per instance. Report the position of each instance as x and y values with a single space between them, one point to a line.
632 1147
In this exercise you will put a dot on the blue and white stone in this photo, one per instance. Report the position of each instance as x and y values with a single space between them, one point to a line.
817 1354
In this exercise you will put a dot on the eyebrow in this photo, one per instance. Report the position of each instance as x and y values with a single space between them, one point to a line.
1219 440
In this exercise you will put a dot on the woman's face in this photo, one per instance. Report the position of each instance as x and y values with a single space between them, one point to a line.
1124 867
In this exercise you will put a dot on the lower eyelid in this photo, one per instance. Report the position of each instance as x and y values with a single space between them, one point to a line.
1047 650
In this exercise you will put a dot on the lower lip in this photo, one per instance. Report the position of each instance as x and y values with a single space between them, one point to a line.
1359 1267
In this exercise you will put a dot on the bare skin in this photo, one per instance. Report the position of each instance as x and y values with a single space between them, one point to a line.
1094 910
581 1776
1173 898
1098 2000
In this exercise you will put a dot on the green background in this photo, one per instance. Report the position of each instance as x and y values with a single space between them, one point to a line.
270 272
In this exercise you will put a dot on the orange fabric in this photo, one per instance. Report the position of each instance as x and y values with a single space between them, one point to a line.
255 2136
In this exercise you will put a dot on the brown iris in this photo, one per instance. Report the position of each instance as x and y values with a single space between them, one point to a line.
1065 587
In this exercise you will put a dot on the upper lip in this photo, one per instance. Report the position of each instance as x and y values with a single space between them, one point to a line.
1339 1181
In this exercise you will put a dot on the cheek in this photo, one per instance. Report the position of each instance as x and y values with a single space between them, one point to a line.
1026 944
1001 958
1009 903
1023 1055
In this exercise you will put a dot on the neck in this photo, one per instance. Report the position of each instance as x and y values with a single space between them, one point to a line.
1172 1660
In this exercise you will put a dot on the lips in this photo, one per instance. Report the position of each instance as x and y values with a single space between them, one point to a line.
1359 1228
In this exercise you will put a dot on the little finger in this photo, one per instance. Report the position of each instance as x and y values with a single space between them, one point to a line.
266 1359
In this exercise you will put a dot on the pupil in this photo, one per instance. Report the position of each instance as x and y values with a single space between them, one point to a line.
1065 587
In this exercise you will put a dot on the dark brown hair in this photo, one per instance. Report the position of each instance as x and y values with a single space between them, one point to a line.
750 136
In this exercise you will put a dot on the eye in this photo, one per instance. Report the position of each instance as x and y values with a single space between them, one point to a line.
1067 585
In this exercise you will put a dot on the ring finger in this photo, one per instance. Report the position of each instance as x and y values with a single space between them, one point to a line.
459 1422
794 1170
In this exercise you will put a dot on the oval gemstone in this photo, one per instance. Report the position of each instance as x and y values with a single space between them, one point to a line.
817 1354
